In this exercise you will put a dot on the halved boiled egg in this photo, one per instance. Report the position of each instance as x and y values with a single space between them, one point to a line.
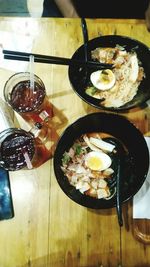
97 161
103 79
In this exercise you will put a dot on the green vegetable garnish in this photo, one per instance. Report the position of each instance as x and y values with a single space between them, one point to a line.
66 158
91 90
78 149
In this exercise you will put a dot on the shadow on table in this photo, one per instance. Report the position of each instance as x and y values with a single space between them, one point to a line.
60 120
60 94
133 112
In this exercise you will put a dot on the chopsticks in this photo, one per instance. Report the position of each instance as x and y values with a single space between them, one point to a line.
24 56
85 46
85 38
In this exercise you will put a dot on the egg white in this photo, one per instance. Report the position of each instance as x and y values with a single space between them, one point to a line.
97 161
103 79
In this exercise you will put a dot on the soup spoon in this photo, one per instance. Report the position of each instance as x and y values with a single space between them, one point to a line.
118 194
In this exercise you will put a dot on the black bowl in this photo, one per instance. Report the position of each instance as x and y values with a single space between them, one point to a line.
78 78
134 172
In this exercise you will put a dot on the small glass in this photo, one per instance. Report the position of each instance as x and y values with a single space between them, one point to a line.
29 101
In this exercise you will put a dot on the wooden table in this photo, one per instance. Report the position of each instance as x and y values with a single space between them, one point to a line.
48 228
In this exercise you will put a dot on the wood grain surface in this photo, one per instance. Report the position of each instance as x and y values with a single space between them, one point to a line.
50 230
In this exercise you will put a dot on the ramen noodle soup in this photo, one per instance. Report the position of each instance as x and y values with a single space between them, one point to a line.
118 86
91 164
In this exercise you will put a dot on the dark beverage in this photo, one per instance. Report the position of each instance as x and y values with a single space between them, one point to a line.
44 112
17 149
25 99
30 102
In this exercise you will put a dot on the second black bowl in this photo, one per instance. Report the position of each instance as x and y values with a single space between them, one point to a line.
122 129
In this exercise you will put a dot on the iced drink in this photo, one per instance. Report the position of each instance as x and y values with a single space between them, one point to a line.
16 149
30 102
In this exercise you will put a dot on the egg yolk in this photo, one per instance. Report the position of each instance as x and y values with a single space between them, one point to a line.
94 163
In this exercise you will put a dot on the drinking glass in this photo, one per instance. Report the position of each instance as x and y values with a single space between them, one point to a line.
28 98
17 146
17 149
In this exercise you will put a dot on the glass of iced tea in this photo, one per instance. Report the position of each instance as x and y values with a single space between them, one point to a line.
17 146
31 102
17 149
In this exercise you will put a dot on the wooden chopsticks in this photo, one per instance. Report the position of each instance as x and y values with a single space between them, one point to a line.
24 56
